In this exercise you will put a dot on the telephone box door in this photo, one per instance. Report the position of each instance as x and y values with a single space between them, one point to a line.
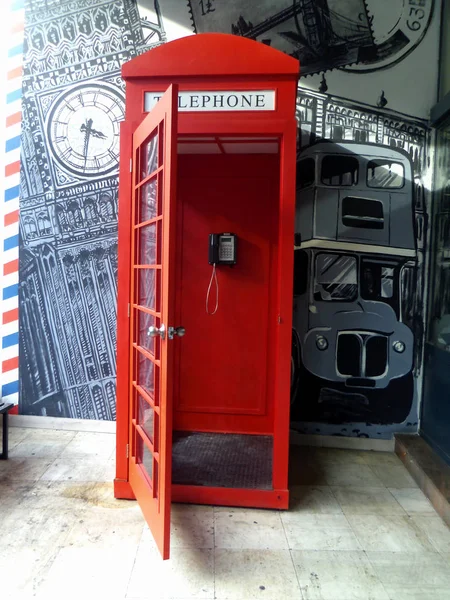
151 313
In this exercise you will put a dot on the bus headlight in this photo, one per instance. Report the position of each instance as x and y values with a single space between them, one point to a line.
399 346
321 342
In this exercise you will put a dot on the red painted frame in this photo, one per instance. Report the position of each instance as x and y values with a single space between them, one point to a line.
213 65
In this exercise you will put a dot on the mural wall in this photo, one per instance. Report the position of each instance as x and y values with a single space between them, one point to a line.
364 175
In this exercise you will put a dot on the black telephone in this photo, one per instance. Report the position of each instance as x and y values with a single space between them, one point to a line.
222 249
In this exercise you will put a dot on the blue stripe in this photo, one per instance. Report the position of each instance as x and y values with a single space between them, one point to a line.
18 5
13 96
10 291
12 144
10 388
12 193
11 242
15 51
10 340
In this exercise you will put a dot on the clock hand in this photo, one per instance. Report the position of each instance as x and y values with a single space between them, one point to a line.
87 129
98 134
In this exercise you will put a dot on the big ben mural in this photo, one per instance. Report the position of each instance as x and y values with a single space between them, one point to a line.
73 102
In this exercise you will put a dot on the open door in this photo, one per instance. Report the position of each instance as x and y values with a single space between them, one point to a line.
151 312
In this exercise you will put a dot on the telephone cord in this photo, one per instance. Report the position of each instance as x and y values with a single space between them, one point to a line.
213 277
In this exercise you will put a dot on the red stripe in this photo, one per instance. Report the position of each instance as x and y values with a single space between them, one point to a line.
10 364
13 119
11 267
12 169
12 217
14 73
10 316
14 410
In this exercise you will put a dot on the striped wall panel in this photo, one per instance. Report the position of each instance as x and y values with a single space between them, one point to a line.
10 178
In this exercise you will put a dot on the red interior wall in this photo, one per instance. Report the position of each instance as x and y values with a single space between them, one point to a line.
225 371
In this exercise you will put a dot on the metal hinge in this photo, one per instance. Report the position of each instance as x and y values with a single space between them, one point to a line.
129 310
279 319
131 165
128 450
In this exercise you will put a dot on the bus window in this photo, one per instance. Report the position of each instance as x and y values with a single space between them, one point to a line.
335 277
383 173
362 213
379 283
300 272
306 173
339 170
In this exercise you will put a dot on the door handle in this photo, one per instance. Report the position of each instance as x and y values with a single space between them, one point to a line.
154 331
173 331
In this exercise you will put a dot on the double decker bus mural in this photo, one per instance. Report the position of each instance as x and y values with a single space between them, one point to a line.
355 266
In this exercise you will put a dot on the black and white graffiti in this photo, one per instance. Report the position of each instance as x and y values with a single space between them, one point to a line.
358 35
73 101
359 258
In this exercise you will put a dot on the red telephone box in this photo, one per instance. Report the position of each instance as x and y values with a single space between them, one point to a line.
204 321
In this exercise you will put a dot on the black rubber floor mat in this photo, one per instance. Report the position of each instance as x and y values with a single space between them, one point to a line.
222 460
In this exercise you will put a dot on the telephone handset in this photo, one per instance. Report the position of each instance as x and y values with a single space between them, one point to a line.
222 249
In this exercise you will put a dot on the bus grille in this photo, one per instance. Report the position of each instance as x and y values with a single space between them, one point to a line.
362 354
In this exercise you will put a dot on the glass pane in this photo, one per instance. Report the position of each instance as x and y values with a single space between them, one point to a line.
149 201
339 170
335 277
144 456
149 156
385 174
147 244
143 322
146 374
146 417
147 287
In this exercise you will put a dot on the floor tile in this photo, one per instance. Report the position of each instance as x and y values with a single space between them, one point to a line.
413 500
188 574
316 499
240 529
394 476
338 456
23 468
41 449
88 573
250 574
326 534
192 526
389 533
367 501
337 576
436 530
414 592
378 459
396 569
351 475
78 469
90 444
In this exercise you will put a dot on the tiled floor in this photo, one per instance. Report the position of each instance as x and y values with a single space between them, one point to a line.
358 529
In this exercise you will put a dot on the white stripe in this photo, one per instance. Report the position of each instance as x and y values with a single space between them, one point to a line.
10 352
13 179
10 255
357 247
9 376
9 328
13 107
12 132
10 231
12 155
10 279
9 304
13 398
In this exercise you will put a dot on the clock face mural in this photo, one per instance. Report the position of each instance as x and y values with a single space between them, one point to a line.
83 129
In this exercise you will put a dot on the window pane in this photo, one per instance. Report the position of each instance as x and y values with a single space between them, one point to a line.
143 322
144 456
335 278
339 170
146 417
147 280
146 373
306 173
149 201
147 244
385 174
150 156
